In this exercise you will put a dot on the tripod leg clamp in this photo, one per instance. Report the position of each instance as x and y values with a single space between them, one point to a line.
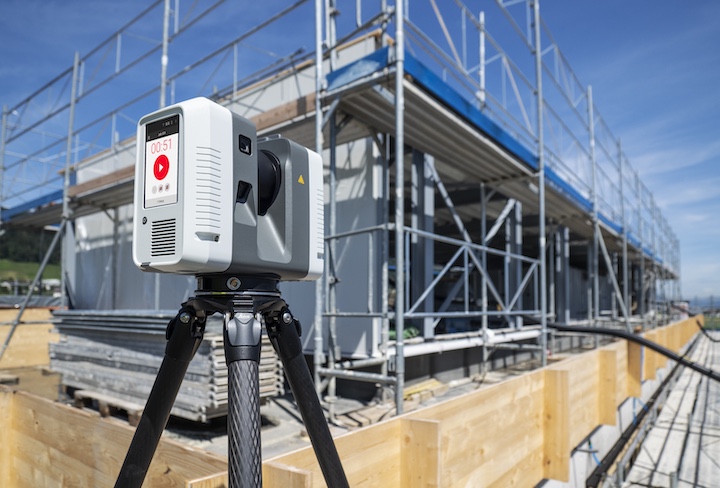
242 337
284 331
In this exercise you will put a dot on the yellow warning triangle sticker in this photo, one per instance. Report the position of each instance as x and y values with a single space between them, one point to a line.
301 180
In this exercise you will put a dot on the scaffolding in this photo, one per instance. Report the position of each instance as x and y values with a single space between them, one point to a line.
474 192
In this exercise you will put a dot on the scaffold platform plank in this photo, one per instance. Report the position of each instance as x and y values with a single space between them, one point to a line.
682 448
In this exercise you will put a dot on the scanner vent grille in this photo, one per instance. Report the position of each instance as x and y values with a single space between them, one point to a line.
163 237
208 187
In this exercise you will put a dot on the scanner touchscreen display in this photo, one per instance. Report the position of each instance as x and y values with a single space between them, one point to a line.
161 161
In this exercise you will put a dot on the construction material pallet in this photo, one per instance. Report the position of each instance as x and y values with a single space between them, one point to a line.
108 405
118 354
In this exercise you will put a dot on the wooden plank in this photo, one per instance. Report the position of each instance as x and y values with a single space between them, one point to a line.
484 432
583 376
6 440
662 339
370 457
650 364
666 442
520 475
420 442
608 400
57 442
101 181
30 315
286 112
28 346
621 353
557 425
276 474
9 379
634 369
210 481
108 405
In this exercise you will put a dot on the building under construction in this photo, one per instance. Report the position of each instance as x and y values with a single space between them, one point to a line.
473 195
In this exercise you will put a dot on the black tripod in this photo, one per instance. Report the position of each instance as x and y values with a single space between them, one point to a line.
239 299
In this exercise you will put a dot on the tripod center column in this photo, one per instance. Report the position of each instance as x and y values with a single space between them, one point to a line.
242 354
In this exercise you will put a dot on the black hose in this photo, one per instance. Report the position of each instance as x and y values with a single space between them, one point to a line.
700 326
705 332
640 340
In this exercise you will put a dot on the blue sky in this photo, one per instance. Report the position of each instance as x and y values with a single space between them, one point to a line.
654 67
655 71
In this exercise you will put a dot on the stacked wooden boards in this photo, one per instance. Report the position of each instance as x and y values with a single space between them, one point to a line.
118 353
48 444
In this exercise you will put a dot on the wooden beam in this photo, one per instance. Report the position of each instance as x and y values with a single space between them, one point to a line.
420 453
285 113
557 425
125 173
7 441
276 474
662 339
58 445
607 387
651 357
634 369
487 433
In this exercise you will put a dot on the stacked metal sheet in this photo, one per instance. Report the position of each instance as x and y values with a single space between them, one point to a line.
118 353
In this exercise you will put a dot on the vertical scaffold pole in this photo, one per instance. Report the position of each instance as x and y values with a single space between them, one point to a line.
484 290
2 155
596 229
626 284
541 183
164 58
66 177
481 66
334 353
399 205
319 284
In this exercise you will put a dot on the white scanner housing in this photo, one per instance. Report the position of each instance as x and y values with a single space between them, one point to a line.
210 198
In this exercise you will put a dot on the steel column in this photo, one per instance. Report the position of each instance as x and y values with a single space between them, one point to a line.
423 212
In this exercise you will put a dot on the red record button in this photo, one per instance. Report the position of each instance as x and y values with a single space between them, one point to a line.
161 167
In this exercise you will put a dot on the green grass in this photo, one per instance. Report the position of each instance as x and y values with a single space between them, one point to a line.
11 271
712 322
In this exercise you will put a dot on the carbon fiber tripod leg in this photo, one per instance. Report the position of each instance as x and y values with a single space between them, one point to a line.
184 334
283 332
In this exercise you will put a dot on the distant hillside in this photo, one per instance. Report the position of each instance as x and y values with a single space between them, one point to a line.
23 272
27 245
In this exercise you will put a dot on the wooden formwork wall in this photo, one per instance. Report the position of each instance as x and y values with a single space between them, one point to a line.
29 344
43 443
515 433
